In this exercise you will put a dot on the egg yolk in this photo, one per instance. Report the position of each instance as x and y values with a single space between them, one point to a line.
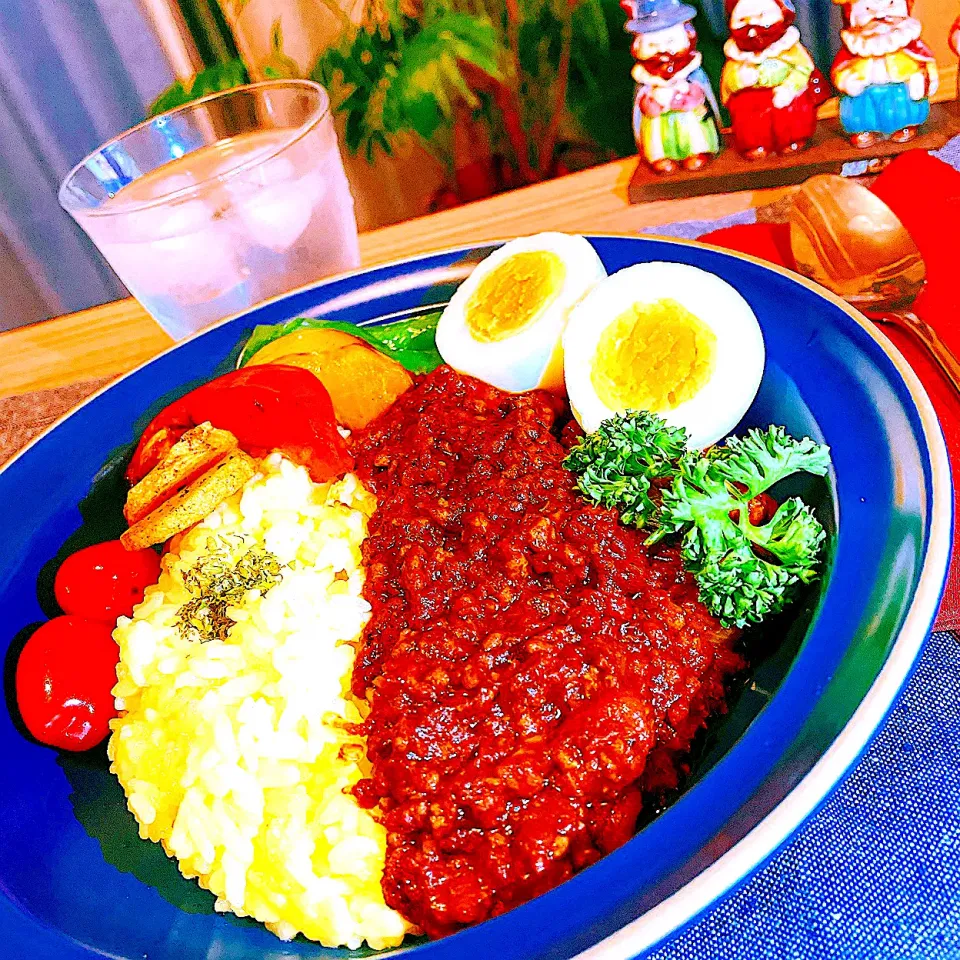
653 357
514 294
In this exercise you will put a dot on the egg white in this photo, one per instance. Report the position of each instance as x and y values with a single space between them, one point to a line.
739 359
521 361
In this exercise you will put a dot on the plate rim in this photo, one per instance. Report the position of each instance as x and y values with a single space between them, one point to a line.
773 831
769 835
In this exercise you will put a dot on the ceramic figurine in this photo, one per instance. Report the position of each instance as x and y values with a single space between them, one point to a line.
954 40
885 73
674 106
767 82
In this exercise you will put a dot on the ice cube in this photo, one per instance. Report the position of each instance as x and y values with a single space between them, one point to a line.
275 214
165 221
246 150
193 268
152 187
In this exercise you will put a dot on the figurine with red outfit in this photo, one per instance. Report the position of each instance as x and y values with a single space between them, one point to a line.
769 82
674 105
885 73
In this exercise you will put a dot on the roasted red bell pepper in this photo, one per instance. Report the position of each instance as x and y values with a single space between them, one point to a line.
268 407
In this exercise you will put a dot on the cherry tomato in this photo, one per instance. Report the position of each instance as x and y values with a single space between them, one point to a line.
64 677
105 581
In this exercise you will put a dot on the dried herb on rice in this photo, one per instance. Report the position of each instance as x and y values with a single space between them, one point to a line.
221 580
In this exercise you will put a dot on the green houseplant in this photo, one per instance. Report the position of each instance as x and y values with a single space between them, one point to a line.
502 92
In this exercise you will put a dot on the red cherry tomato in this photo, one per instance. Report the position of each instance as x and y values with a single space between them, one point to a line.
64 677
105 581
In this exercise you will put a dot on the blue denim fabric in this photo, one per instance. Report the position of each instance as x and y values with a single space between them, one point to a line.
875 875
691 229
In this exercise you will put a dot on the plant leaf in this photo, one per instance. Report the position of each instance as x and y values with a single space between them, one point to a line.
600 91
590 27
223 76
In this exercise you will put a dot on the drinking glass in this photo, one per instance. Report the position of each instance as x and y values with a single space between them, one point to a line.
211 208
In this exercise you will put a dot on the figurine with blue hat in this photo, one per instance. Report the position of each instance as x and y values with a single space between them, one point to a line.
769 82
674 106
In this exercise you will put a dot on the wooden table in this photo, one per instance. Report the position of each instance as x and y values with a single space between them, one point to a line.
109 340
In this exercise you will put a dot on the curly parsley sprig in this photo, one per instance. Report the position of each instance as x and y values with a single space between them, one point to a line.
617 464
638 465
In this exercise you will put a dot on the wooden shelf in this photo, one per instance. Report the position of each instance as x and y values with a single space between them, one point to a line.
828 151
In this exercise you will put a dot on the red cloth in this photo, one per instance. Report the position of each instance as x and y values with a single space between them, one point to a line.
756 122
925 193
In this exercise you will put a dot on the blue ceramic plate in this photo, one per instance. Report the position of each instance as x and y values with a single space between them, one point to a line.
75 880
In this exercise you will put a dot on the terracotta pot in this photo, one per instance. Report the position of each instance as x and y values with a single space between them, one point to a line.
393 188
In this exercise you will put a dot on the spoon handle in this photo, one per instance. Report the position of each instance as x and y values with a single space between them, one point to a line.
930 339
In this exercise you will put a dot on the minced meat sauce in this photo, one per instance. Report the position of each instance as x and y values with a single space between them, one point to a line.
534 670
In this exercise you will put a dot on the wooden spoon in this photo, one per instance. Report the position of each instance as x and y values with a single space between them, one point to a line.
849 241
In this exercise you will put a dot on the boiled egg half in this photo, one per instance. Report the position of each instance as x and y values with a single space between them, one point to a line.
669 338
504 324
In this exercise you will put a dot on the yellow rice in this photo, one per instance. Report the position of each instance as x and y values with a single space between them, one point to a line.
233 753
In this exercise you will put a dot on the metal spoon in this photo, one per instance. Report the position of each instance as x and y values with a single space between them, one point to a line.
852 243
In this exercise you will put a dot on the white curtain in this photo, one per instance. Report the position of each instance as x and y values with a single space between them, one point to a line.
73 73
